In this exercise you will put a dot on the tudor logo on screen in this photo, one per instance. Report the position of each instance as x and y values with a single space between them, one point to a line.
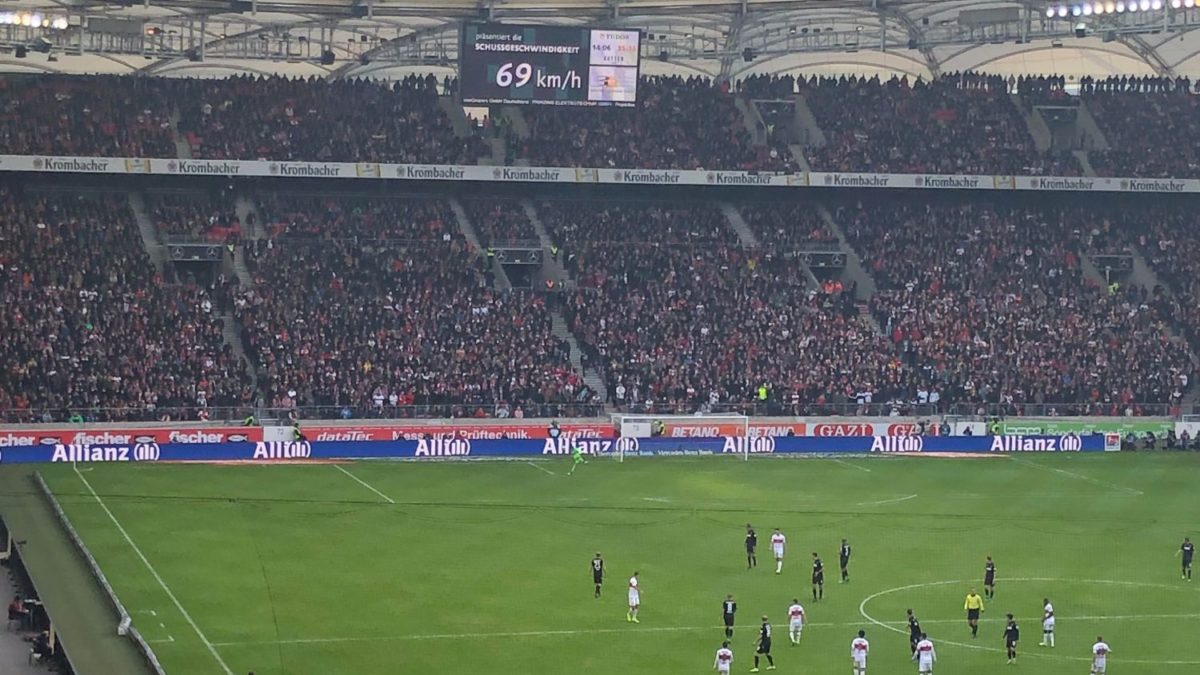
276 450
897 444
443 447
742 445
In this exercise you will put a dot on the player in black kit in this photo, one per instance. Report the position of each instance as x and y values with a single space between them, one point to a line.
914 632
1011 635
763 644
728 609
597 573
1186 550
844 561
989 579
751 547
818 578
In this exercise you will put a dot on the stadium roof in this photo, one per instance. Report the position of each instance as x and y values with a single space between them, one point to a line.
390 38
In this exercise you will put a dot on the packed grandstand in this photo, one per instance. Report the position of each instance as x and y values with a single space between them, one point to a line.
352 301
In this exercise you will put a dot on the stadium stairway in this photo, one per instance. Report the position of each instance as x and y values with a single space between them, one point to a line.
752 120
1043 138
183 149
458 117
552 267
806 122
854 267
468 230
1096 140
137 204
244 207
516 120
798 153
1085 162
591 378
739 225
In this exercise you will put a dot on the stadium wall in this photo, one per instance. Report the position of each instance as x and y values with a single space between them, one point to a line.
462 448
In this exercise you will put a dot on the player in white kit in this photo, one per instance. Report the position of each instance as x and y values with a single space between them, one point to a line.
925 656
859 648
795 621
1047 624
1100 652
724 660
635 599
778 543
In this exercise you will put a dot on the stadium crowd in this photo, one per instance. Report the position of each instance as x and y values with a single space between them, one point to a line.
679 317
679 124
989 303
500 222
375 308
1145 120
207 216
93 331
788 226
962 123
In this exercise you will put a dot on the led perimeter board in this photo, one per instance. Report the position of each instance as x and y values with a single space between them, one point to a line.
503 64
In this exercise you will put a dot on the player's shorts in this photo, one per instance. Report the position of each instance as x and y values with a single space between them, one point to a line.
1098 669
778 552
844 562
989 581
1010 643
860 662
597 578
972 615
764 647
750 548
796 626
819 578
723 670
1048 625
1187 563
634 599
728 619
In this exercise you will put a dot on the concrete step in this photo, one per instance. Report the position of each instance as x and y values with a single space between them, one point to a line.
739 225
244 207
468 230
591 378
1043 138
1090 129
1085 162
806 122
752 119
233 337
150 240
458 117
854 268
182 149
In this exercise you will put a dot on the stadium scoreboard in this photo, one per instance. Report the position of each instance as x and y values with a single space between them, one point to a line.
505 64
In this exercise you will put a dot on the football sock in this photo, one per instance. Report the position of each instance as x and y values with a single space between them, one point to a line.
974 630
778 566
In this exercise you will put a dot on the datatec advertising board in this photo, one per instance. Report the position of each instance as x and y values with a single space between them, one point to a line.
506 64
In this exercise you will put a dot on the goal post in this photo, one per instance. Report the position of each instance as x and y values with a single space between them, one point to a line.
631 427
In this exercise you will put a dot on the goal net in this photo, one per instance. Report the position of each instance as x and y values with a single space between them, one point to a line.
631 428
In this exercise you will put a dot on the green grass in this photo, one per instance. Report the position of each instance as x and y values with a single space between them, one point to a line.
482 567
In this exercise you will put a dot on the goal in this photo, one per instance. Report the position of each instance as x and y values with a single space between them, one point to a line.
631 428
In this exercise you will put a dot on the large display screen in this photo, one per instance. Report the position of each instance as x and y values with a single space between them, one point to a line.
548 65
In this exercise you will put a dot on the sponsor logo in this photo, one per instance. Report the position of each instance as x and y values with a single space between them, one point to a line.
1136 185
795 429
858 180
901 429
527 174
11 440
694 431
307 170
282 450
1062 184
742 445
897 444
628 445
196 436
562 446
1027 444
430 172
1070 443
862 429
101 438
205 167
962 182
646 177
443 447
720 178
71 164
1112 442
141 452
352 435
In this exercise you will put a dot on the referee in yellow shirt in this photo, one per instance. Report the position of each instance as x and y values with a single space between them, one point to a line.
973 605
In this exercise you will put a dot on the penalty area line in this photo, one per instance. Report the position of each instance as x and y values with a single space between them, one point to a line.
157 577
852 466
540 468
881 502
364 483
1076 476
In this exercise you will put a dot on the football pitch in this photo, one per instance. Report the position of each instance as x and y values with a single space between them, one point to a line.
483 567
